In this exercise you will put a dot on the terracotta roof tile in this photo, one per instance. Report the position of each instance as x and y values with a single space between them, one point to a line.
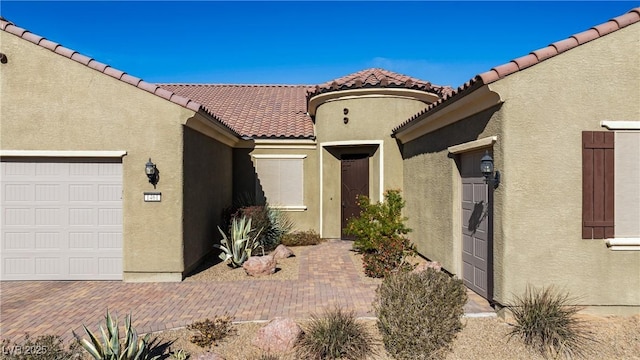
10 28
501 71
259 111
378 78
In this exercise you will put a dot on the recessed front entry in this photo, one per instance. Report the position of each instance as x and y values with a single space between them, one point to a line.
355 181
476 226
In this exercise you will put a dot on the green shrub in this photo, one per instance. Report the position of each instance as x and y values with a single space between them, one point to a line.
380 235
546 321
301 238
112 347
388 258
335 335
208 332
44 347
273 222
419 313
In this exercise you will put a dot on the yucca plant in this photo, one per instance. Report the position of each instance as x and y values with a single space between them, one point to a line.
111 347
238 249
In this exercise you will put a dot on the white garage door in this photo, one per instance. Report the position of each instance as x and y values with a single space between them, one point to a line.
61 220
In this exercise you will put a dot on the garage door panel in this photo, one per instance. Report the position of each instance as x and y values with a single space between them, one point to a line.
18 193
48 216
61 220
82 192
109 240
47 240
18 266
82 217
18 168
18 217
18 241
82 241
110 192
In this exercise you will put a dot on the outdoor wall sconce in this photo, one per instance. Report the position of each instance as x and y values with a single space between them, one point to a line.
152 173
486 167
345 119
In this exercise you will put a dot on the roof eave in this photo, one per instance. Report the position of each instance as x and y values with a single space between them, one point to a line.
476 99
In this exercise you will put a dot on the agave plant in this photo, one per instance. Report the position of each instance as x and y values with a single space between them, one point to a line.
238 249
111 347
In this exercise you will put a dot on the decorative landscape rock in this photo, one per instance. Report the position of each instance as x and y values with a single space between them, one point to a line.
279 335
427 265
210 356
260 265
282 252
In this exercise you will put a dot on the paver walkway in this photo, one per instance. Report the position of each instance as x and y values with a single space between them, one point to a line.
327 277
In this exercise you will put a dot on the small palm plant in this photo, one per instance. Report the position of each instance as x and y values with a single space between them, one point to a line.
238 249
111 347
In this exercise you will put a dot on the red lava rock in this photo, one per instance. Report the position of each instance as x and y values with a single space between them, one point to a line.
279 335
282 252
260 265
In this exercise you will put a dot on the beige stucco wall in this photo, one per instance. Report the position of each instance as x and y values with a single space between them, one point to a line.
371 120
208 188
546 108
538 206
49 102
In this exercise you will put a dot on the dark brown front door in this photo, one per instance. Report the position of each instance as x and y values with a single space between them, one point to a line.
476 227
355 181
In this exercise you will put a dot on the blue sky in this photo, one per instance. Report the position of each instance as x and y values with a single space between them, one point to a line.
306 42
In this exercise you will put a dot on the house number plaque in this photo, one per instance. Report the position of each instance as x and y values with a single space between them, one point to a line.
152 197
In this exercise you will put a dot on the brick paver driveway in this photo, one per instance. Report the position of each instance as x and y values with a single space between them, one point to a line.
327 277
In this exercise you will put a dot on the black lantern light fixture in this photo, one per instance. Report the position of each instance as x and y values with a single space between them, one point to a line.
486 167
152 172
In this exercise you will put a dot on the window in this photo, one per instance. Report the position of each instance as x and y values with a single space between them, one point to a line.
280 180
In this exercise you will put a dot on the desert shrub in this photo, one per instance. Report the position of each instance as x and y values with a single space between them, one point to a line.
546 321
419 313
301 238
380 235
335 335
273 222
208 332
44 347
388 258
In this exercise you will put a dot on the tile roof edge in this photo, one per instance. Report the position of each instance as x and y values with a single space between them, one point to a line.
9 27
238 85
533 58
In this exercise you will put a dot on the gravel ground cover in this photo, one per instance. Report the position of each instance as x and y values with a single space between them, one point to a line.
482 339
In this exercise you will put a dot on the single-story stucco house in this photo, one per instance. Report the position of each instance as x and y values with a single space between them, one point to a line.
562 126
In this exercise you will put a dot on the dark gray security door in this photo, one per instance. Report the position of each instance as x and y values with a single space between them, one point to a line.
476 226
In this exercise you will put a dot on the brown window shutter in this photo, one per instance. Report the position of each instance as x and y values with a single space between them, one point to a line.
597 184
